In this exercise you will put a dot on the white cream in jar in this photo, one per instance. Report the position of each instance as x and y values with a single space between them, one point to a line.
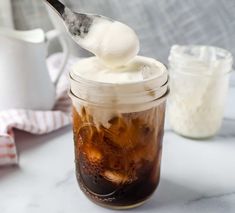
199 79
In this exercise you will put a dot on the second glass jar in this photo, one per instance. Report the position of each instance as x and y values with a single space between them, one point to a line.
199 80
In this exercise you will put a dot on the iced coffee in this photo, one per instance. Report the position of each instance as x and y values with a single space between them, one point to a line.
118 131
119 165
118 117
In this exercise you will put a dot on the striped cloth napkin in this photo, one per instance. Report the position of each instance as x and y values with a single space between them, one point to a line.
36 122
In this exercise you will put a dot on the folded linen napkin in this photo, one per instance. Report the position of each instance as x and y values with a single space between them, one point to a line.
36 122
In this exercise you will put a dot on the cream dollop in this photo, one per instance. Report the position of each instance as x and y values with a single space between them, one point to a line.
113 42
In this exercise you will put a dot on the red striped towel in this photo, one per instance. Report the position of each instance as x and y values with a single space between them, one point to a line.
36 122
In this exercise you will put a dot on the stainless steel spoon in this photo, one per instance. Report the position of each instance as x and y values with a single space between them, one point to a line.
78 24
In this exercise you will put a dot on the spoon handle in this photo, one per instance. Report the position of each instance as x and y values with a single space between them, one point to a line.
57 5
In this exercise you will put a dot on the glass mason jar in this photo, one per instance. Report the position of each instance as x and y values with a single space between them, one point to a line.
118 131
199 80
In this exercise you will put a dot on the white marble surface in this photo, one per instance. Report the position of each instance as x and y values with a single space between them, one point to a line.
196 176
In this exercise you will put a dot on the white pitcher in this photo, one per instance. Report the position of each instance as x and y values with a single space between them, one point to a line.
24 79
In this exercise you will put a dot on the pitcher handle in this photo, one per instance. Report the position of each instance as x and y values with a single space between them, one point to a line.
52 35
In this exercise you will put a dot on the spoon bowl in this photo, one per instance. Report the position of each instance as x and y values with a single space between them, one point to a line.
113 42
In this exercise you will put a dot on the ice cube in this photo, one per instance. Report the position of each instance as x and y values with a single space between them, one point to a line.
116 177
93 154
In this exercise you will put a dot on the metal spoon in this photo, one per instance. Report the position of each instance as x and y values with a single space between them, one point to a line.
78 24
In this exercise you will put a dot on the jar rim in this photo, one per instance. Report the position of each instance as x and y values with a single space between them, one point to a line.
136 93
122 107
186 56
163 79
204 75
130 94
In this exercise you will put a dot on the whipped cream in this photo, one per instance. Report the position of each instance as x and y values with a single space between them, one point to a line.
113 42
137 70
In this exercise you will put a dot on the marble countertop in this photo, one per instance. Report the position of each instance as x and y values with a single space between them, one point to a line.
196 176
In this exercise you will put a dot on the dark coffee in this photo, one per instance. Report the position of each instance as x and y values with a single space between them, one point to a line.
119 166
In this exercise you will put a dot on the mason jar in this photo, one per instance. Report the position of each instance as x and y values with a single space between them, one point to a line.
199 81
118 131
